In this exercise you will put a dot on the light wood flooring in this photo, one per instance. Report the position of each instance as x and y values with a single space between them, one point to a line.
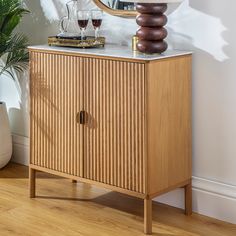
63 208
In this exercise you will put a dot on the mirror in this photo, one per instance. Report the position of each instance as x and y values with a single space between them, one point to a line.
123 8
119 5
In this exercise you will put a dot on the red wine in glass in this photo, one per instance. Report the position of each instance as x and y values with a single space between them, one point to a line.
83 23
83 19
97 22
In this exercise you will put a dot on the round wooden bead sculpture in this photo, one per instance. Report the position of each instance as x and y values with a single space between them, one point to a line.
151 33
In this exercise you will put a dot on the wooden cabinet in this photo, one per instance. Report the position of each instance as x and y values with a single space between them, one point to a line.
56 99
118 122
114 95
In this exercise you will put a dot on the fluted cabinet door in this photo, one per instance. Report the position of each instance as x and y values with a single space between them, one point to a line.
56 99
114 133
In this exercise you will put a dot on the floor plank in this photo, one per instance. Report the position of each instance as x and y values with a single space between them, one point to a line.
63 208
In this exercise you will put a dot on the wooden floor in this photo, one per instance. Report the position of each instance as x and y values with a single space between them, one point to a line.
63 208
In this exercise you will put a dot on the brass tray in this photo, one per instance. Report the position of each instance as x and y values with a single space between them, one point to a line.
89 42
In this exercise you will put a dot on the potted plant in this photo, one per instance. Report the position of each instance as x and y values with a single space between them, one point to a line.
13 60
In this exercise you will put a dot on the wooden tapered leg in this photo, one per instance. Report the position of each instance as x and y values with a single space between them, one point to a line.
188 199
147 216
74 181
32 173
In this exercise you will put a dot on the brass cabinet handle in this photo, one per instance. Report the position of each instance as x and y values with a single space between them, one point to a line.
82 117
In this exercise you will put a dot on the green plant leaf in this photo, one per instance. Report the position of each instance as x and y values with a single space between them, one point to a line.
11 20
16 54
13 47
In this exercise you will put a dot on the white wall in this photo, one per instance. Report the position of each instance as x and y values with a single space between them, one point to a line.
207 28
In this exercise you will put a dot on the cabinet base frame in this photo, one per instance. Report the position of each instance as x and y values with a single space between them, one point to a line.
188 199
88 181
32 182
187 185
148 216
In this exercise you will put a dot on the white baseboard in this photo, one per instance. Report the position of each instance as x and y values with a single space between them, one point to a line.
210 198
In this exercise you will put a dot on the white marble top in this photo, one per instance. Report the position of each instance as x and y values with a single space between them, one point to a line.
114 51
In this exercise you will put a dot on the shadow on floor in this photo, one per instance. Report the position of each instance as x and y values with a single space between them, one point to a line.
22 172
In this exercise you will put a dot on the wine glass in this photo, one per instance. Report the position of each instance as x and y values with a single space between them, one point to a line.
97 21
83 19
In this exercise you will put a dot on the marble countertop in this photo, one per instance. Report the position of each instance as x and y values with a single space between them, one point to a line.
115 51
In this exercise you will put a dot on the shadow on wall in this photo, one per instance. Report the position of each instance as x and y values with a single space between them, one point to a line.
37 25
18 116
15 94
195 29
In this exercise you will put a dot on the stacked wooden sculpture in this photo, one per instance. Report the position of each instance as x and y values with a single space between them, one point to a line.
151 33
152 20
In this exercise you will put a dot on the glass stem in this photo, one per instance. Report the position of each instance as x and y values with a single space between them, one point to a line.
96 33
82 33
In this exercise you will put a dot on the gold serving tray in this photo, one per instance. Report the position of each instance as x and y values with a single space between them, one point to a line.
89 42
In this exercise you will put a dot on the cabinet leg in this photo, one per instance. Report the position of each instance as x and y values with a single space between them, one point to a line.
148 216
74 181
32 179
188 199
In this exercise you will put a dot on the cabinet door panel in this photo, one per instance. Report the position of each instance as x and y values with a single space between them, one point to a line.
114 145
56 98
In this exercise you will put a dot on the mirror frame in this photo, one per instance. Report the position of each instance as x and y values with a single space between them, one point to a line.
114 12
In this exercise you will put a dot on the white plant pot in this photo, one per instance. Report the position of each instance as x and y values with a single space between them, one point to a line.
5 137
